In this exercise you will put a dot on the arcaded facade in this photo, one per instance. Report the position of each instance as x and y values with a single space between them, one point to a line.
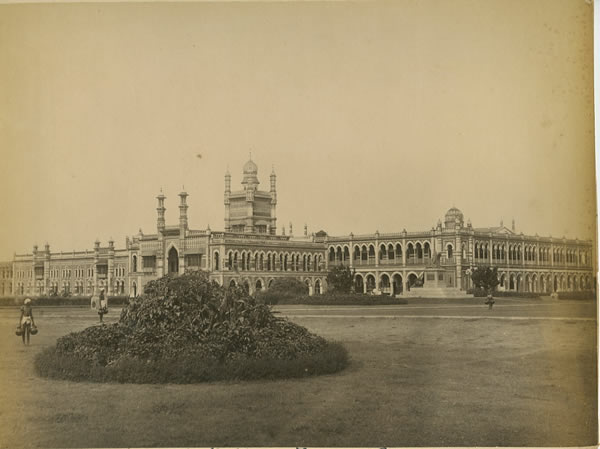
249 252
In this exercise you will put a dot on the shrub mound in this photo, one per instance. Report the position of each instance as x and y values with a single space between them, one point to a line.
188 329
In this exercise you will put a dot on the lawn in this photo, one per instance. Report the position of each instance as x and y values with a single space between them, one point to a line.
413 381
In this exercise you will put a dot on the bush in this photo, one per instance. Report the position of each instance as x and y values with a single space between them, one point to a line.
188 329
481 293
340 279
190 369
584 294
283 289
334 299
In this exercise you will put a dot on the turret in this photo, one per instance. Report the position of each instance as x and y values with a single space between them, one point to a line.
227 200
183 207
273 191
160 221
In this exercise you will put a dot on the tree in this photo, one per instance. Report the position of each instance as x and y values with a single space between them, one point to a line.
340 279
485 278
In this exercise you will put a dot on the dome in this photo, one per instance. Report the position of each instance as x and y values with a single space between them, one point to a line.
452 216
250 167
250 172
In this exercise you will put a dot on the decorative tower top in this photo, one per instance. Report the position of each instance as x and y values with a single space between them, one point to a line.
250 180
513 225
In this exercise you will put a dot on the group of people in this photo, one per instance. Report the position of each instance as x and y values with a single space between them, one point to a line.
26 326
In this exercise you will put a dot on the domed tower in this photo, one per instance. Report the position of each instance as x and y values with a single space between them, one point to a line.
250 181
250 210
454 219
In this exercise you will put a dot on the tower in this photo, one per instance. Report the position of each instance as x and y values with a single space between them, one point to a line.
183 207
227 200
160 221
250 210
273 192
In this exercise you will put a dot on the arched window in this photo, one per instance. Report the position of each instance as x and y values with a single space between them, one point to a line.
450 252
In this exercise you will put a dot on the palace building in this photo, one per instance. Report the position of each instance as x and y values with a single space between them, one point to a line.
249 252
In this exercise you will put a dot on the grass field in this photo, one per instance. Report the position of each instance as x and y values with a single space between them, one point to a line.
430 373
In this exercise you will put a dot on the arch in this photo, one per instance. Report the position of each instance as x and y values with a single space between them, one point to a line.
449 249
384 284
134 288
331 254
412 280
512 284
356 252
134 263
398 251
318 287
426 250
270 283
216 261
173 261
232 283
258 285
346 254
370 283
382 252
419 250
364 255
397 285
391 253
359 285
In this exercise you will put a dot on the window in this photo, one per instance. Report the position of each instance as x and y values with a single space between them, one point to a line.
148 261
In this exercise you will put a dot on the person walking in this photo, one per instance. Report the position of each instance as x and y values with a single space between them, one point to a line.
26 320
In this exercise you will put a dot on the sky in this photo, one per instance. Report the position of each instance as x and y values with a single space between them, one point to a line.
374 115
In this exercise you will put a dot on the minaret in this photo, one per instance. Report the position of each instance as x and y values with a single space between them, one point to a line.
226 199
160 221
183 219
273 227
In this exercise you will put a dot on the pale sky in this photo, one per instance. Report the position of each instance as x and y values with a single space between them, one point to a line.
376 116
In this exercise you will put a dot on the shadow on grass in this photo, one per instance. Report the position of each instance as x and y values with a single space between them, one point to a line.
191 369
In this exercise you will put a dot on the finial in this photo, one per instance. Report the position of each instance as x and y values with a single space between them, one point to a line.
250 154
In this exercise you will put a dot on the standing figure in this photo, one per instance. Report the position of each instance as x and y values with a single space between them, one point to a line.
26 320
102 304
490 301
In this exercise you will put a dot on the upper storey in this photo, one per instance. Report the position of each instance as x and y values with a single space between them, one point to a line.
250 210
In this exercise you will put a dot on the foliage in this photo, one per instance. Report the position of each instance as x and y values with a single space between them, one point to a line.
485 278
583 294
340 279
195 367
334 299
282 289
179 319
481 293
